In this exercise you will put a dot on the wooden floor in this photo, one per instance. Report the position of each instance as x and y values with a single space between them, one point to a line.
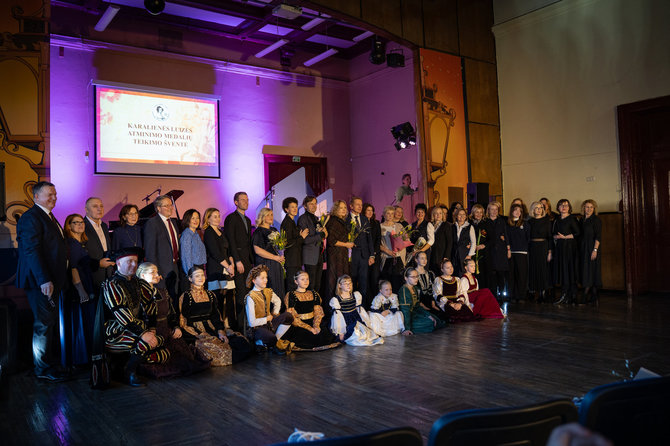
539 353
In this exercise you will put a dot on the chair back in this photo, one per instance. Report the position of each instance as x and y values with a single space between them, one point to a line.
634 412
400 436
528 425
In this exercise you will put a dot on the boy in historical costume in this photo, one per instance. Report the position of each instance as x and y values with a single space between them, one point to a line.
132 326
265 325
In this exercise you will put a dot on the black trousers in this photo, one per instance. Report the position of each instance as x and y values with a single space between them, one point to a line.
290 284
359 274
266 333
315 273
518 277
240 293
45 329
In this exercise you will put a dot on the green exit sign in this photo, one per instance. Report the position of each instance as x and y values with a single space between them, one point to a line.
296 159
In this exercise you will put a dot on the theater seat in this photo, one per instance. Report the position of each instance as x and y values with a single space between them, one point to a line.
528 425
400 436
634 412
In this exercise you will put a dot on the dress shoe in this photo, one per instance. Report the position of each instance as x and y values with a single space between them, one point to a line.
133 380
52 377
276 351
563 300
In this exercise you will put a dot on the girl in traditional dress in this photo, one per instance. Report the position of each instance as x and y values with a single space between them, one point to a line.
482 302
415 317
446 294
201 323
304 305
385 315
350 322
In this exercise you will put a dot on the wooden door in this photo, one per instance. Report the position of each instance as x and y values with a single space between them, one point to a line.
278 167
644 142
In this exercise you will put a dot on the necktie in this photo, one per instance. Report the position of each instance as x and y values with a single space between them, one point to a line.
358 222
54 221
175 246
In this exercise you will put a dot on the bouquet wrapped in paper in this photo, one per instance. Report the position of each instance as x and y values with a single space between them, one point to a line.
401 239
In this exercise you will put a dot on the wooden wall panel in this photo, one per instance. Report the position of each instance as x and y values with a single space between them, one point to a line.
485 156
412 21
475 19
440 21
385 14
481 88
350 7
612 252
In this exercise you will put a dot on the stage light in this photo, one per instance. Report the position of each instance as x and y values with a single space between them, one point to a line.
395 58
378 52
404 135
285 55
320 57
271 48
154 7
107 17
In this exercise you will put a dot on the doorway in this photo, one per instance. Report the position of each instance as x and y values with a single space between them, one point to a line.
278 167
644 147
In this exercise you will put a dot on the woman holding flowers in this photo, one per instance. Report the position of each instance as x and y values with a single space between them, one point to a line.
338 244
392 259
266 241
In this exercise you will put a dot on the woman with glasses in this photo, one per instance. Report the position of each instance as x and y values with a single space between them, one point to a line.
129 234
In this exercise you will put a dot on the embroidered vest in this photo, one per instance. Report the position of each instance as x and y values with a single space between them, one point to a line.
262 300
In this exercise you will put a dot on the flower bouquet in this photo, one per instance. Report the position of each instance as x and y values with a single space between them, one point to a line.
279 243
418 246
353 233
401 240
478 254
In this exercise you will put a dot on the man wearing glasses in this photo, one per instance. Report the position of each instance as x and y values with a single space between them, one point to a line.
161 245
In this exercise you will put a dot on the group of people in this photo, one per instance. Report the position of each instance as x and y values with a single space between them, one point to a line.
182 296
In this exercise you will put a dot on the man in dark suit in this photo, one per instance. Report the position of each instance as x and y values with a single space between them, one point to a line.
161 245
294 240
99 243
42 273
363 253
237 228
312 246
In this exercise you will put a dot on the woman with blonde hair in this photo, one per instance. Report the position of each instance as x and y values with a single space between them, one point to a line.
539 252
350 322
443 239
265 253
392 260
220 264
337 244
480 225
589 254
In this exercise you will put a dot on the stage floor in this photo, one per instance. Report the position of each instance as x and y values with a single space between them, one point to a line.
541 352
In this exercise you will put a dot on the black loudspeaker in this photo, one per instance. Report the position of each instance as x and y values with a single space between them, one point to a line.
478 193
3 196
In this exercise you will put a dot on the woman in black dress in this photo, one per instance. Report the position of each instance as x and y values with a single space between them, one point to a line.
376 235
518 233
220 264
129 234
443 239
266 253
480 224
337 245
539 252
565 231
589 245
497 246
465 241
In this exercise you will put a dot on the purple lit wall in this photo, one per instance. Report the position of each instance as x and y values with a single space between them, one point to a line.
259 108
380 100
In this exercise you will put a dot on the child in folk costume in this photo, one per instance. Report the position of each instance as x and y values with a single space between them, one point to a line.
482 302
385 315
350 322
266 326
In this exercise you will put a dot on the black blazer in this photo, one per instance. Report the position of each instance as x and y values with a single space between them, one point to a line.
363 243
42 251
239 238
443 244
313 243
157 245
95 252
292 254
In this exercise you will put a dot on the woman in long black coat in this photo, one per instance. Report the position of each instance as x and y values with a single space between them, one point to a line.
498 247
565 232
337 245
589 254
539 252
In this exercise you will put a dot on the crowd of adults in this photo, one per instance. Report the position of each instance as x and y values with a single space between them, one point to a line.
180 296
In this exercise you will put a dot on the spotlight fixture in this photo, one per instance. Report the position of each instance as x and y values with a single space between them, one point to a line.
404 135
395 58
154 7
285 55
378 52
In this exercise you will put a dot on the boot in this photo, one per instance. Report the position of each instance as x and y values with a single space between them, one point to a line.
130 371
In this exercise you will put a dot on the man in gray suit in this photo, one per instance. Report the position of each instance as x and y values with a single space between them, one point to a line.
313 243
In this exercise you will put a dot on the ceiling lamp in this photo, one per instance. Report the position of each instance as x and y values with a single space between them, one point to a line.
271 48
154 7
320 57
